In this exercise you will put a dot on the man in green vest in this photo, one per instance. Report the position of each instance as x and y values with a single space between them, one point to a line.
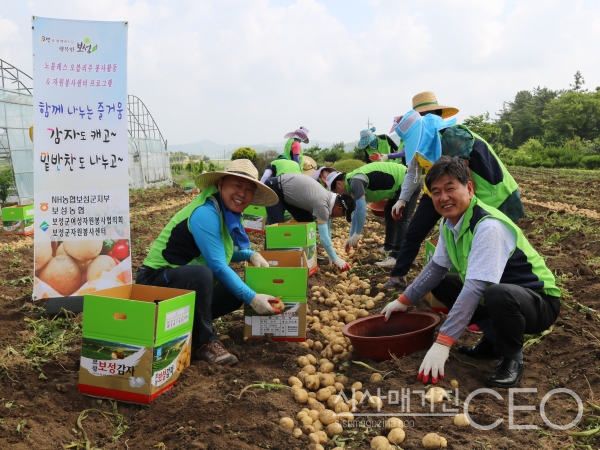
372 183
195 248
502 284
283 164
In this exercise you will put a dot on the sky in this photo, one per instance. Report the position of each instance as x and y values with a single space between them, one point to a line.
249 71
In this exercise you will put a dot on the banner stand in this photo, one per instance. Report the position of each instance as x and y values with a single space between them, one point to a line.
55 305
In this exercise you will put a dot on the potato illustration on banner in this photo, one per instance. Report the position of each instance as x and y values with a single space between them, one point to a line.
183 360
62 274
82 250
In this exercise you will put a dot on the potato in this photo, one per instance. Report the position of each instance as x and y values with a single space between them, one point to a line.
312 400
315 446
327 416
302 375
83 250
334 400
312 382
396 436
352 404
279 305
340 378
433 440
454 383
62 274
394 422
376 378
312 359
460 420
303 361
358 395
356 386
323 394
379 440
318 345
293 381
436 394
317 406
301 396
317 425
375 402
306 420
297 433
302 414
326 379
314 438
42 249
326 368
338 387
332 389
333 429
341 407
314 415
99 264
309 369
286 422
312 394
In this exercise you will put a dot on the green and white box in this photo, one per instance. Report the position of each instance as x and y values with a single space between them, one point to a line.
295 235
136 341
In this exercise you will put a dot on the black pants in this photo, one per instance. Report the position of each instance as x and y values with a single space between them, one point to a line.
422 223
275 213
212 300
513 310
395 230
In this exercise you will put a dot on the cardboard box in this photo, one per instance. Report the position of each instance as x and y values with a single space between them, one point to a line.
255 219
136 341
297 236
286 278
433 302
190 188
18 220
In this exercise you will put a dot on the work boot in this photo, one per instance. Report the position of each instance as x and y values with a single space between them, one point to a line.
507 374
396 283
215 353
484 349
387 262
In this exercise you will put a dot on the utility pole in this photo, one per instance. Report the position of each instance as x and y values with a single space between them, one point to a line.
368 123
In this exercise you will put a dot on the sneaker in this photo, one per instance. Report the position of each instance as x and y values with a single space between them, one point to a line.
215 353
398 283
387 262
383 250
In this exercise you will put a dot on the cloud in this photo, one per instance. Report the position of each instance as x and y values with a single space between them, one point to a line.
235 71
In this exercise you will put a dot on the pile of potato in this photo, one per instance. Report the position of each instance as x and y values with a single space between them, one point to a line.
184 358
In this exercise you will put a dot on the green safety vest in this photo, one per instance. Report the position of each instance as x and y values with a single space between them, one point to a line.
525 267
494 185
383 147
284 165
384 180
175 245
287 151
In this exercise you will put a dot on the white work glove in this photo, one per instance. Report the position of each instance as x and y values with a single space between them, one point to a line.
400 305
378 157
261 304
258 261
397 209
341 265
352 241
434 363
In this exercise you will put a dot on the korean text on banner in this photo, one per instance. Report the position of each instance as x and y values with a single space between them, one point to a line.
81 178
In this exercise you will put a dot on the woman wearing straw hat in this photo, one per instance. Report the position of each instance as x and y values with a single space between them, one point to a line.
379 147
197 246
293 149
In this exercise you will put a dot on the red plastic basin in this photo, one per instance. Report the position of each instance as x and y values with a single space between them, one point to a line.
377 208
402 335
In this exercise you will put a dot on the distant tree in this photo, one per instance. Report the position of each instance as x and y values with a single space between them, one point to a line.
245 153
575 114
264 159
525 114
206 159
6 183
358 153
314 152
578 82
483 126
211 167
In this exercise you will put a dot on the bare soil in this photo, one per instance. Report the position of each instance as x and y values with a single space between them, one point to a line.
202 411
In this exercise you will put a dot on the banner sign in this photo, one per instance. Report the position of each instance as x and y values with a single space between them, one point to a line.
81 177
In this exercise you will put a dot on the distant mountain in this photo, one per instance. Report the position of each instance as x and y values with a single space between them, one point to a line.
220 151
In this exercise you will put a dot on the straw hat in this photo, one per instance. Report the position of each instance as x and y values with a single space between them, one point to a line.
301 133
308 165
242 168
426 101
